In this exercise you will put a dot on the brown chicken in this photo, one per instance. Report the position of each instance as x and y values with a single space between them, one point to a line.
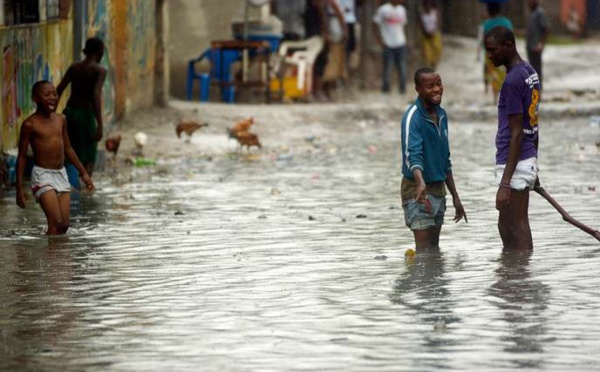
248 139
240 126
188 127
112 143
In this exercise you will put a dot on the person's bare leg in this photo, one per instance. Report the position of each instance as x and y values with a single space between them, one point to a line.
435 236
425 239
51 207
520 200
513 222
64 201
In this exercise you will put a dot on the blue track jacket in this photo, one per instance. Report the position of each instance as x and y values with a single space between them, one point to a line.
425 145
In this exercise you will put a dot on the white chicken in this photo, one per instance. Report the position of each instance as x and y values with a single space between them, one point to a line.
140 139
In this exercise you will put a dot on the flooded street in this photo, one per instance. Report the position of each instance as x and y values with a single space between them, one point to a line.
293 259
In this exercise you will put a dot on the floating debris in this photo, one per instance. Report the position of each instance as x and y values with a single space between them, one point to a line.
287 156
439 326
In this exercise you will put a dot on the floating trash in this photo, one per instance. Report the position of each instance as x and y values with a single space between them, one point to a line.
144 162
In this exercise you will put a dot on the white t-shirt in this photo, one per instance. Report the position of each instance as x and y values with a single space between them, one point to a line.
349 10
430 21
391 20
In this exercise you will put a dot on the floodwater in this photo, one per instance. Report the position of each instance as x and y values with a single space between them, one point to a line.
227 264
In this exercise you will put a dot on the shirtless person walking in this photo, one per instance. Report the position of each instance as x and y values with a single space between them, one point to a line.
84 108
46 132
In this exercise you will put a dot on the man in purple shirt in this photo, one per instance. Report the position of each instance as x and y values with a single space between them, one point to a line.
516 139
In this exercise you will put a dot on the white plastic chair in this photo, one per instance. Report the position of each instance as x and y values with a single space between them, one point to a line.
304 55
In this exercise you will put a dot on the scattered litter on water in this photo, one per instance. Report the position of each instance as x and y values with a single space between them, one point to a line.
144 162
285 156
439 326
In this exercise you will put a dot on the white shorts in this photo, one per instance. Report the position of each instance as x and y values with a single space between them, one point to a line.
43 180
524 176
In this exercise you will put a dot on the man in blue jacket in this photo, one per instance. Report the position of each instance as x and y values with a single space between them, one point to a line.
426 166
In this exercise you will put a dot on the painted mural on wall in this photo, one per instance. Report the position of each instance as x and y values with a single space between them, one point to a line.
44 51
141 48
29 54
97 21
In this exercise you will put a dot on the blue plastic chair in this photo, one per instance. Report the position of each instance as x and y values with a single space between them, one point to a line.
220 70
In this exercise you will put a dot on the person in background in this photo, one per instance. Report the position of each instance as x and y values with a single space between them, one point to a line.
493 76
537 34
84 107
388 24
335 70
315 22
426 165
517 139
349 10
430 33
573 24
291 14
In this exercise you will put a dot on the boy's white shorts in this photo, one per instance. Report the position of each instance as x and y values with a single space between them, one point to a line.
524 176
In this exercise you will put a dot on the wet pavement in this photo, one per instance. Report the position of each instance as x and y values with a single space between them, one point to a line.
292 258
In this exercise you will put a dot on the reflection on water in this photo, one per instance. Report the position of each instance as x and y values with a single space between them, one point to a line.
263 265
36 306
423 289
522 302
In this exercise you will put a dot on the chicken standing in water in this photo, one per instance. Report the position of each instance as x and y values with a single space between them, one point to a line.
112 143
248 139
140 139
240 127
188 127
245 138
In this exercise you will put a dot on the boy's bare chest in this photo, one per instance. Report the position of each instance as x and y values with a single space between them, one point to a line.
48 130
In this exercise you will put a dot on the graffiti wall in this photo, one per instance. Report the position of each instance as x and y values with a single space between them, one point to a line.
45 50
141 50
128 30
29 54
97 22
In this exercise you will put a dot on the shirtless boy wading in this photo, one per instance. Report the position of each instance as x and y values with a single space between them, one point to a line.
46 132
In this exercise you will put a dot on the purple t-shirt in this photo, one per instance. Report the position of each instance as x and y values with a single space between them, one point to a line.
520 94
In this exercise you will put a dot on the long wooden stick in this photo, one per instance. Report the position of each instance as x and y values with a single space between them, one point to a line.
595 233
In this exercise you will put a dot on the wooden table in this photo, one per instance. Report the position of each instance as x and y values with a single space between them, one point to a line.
259 47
